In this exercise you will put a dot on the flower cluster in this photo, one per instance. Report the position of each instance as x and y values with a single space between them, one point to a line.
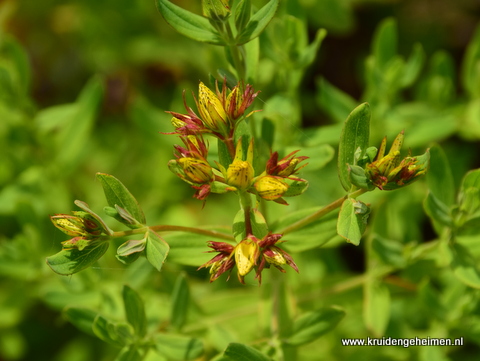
388 172
220 113
251 253
82 226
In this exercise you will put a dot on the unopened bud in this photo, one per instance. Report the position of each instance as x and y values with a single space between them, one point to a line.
270 187
240 174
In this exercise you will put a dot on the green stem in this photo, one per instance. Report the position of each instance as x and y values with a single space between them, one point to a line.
165 228
246 204
320 213
236 55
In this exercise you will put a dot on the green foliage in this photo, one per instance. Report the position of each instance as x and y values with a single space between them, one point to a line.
84 86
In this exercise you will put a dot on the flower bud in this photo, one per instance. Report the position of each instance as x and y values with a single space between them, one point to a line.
246 254
211 110
196 170
270 187
274 255
216 9
240 174
70 225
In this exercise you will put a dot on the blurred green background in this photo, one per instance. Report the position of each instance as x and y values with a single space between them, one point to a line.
84 86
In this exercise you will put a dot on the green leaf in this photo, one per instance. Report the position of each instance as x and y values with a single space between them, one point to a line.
117 334
238 227
389 251
308 54
257 23
437 210
471 66
465 266
336 103
135 311
189 24
412 68
223 155
176 347
384 45
180 302
131 246
359 179
355 134
117 194
81 318
352 220
130 353
241 352
439 177
156 250
319 155
70 261
295 187
376 311
243 12
311 325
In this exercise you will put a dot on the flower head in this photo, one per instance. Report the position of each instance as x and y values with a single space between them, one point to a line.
240 173
251 253
388 172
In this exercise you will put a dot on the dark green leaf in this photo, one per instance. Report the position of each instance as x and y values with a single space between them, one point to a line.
180 302
80 317
295 187
311 325
223 155
389 251
352 220
242 14
257 23
355 134
176 347
186 23
135 311
117 194
70 261
241 352
156 250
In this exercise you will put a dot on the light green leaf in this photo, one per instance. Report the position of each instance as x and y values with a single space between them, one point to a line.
439 177
384 45
243 12
238 227
471 66
465 266
117 194
311 325
131 246
355 134
257 23
117 334
86 208
413 66
176 347
70 261
308 54
334 101
189 24
319 155
130 353
376 310
156 250
352 220
241 352
134 310
180 302
295 187
81 318
437 210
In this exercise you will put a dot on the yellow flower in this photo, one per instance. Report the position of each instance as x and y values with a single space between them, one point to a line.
246 254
